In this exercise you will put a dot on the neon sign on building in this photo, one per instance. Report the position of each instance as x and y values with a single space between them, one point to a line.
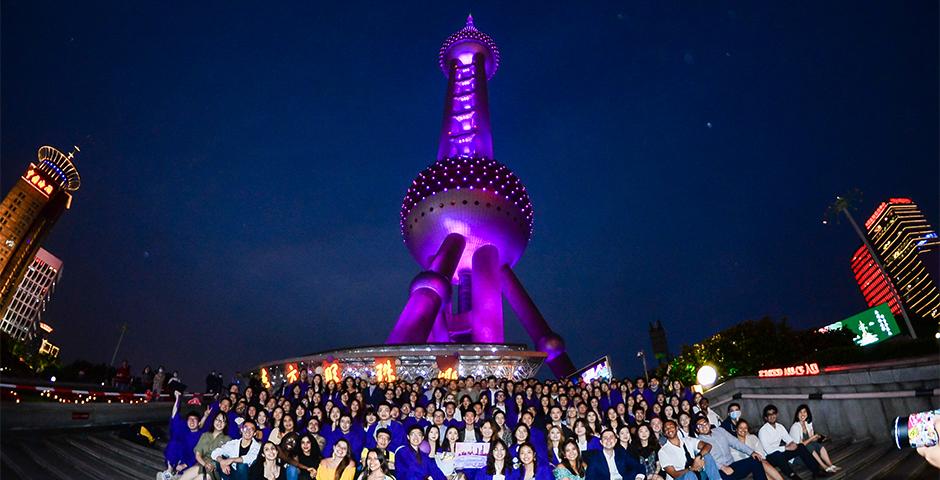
38 180
803 370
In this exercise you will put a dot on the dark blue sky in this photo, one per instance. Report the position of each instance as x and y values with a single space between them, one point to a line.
242 168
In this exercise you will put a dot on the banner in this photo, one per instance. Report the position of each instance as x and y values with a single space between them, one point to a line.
471 455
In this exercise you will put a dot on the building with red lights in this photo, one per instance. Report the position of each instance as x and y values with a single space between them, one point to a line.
21 320
902 238
29 211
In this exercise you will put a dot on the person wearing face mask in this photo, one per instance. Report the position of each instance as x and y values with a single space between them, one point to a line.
734 415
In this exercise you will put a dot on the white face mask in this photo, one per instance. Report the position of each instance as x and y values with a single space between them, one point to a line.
735 415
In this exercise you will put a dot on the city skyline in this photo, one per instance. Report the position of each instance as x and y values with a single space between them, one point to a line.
681 177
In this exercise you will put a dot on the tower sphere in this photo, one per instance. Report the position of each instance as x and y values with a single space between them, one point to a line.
469 41
478 198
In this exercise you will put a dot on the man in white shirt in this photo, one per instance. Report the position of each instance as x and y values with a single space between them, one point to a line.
686 458
781 448
237 455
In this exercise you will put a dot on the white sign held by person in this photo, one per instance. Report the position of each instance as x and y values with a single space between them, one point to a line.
471 455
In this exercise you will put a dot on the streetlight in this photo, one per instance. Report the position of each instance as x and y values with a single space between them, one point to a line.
642 356
706 376
843 205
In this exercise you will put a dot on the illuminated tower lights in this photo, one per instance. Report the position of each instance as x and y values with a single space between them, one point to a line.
900 235
467 219
29 211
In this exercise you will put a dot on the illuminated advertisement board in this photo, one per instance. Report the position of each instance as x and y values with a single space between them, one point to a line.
871 326
596 370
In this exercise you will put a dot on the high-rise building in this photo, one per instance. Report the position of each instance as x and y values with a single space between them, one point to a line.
28 213
659 341
902 238
21 318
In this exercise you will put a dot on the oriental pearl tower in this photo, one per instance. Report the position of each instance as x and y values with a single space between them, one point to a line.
467 219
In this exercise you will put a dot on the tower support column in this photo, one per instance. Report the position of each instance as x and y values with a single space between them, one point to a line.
487 312
535 325
429 290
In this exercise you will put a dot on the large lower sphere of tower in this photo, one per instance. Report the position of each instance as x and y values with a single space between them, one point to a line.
480 199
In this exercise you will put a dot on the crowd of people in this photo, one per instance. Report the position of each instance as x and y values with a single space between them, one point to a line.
361 429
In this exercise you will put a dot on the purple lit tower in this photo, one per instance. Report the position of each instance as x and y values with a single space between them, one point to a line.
467 219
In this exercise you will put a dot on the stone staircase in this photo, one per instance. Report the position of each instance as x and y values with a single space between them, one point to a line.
102 454
865 460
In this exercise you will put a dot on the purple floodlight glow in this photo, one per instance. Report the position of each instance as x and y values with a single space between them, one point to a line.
467 219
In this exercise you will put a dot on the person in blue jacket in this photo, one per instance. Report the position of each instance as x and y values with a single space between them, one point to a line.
346 431
628 468
413 464
184 434
530 468
497 463
386 421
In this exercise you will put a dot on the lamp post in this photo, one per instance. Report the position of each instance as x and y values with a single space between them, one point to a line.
842 205
642 356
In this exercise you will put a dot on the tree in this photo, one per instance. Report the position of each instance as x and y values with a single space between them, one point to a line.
753 345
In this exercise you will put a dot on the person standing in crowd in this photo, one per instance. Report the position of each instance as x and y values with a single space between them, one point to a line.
122 376
722 444
802 432
612 462
781 448
157 384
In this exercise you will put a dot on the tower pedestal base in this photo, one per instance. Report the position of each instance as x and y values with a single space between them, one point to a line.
408 362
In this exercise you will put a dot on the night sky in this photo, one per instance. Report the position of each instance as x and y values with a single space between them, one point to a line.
243 165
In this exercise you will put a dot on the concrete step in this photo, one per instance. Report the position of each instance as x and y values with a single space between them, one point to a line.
839 452
148 452
51 466
15 463
884 467
84 466
128 469
131 457
911 467
865 461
